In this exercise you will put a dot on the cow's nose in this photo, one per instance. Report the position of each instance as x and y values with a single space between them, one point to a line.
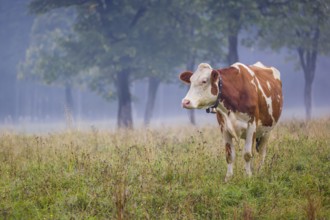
185 103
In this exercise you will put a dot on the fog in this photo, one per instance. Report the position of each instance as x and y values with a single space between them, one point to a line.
28 104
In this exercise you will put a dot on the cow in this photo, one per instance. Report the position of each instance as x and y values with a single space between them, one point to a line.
247 101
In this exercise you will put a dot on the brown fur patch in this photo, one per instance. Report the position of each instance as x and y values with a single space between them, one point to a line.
214 82
185 76
238 94
228 153
277 103
220 121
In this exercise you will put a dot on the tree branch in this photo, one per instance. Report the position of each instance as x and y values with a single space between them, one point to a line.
44 6
139 14
266 8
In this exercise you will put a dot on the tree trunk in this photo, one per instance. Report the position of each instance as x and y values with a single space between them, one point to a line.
232 56
308 57
153 84
124 117
308 63
308 99
191 66
191 116
68 98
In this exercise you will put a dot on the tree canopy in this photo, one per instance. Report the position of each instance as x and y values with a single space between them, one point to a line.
302 27
123 41
114 43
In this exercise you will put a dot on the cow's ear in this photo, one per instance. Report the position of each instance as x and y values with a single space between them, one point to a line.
185 76
214 76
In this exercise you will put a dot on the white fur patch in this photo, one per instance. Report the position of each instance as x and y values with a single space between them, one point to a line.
236 65
251 129
253 83
268 100
268 85
204 65
278 98
249 70
276 73
259 64
249 136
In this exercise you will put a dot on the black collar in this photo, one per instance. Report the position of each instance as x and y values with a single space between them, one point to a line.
212 109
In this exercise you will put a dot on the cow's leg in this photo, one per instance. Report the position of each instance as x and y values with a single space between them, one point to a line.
250 136
262 148
230 155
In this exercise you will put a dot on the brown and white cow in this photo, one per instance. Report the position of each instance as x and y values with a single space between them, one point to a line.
246 99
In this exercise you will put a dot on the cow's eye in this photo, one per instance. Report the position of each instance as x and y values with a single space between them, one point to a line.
204 81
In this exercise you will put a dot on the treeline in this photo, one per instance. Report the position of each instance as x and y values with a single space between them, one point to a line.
108 44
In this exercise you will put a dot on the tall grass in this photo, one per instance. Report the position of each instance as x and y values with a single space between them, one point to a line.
169 173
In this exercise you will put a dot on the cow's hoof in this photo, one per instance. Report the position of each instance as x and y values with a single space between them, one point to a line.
259 168
228 178
247 156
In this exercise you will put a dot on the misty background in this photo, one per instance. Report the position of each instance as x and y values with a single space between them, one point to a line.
116 63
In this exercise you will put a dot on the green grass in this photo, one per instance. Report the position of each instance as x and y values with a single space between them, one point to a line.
173 173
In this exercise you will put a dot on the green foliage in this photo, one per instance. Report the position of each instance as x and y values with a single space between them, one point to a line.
46 58
145 38
304 33
152 38
297 24
236 15
172 173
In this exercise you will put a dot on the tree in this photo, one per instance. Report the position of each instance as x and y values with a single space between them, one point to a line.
232 17
199 40
157 42
46 58
107 37
186 36
306 31
168 40
125 41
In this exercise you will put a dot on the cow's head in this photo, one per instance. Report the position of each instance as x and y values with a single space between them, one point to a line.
203 90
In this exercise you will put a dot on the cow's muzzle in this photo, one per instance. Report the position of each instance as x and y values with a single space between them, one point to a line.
186 103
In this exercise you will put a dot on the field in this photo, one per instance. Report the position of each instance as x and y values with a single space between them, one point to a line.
169 173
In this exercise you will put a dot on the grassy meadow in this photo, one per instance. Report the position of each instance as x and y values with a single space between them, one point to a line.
168 173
